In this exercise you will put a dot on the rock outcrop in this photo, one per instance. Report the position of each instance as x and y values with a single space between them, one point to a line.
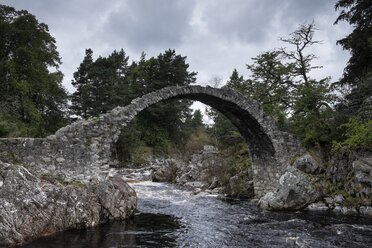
32 205
294 191
308 164
353 174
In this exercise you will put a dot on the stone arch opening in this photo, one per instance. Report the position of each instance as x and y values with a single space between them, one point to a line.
259 143
258 130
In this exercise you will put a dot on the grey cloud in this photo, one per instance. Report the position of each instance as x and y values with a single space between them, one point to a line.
247 21
225 34
56 12
146 24
250 21
305 10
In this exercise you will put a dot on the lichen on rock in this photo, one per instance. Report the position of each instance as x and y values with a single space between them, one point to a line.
293 192
32 206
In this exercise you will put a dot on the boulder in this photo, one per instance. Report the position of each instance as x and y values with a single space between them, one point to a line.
294 191
363 164
240 186
362 183
214 183
308 164
166 172
33 206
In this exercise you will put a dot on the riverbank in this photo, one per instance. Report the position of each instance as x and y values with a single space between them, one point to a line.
171 216
307 184
33 206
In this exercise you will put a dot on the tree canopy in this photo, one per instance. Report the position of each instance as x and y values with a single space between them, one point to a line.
358 72
32 97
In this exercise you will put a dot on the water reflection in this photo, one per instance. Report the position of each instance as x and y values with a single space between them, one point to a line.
143 230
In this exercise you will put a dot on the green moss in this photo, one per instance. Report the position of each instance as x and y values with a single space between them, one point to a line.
53 179
74 183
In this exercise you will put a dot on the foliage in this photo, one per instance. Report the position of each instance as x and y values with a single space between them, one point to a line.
196 141
358 134
140 154
357 13
12 127
30 87
355 110
358 72
301 39
310 119
271 83
235 81
100 85
223 132
280 81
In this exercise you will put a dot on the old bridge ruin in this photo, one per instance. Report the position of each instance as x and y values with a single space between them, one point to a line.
82 150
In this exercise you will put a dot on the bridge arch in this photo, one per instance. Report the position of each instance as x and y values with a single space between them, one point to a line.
270 149
246 115
83 149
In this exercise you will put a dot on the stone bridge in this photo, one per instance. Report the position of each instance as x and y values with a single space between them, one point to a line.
82 150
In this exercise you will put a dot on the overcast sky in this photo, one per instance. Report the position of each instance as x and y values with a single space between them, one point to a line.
215 35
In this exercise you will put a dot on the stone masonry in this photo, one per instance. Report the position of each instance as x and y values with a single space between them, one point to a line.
82 150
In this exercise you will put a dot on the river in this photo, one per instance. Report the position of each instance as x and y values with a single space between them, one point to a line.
169 216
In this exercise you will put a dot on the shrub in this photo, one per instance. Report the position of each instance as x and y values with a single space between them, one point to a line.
358 134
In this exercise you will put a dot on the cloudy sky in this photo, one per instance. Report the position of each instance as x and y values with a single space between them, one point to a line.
215 35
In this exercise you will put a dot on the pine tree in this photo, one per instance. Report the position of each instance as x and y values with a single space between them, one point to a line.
80 99
101 85
357 13
32 96
272 84
358 72
165 118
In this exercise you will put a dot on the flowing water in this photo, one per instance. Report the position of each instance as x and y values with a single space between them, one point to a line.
168 216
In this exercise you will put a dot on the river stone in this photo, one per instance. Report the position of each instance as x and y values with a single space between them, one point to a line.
366 211
34 206
317 206
214 183
166 172
339 198
329 200
337 209
349 211
195 185
293 192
